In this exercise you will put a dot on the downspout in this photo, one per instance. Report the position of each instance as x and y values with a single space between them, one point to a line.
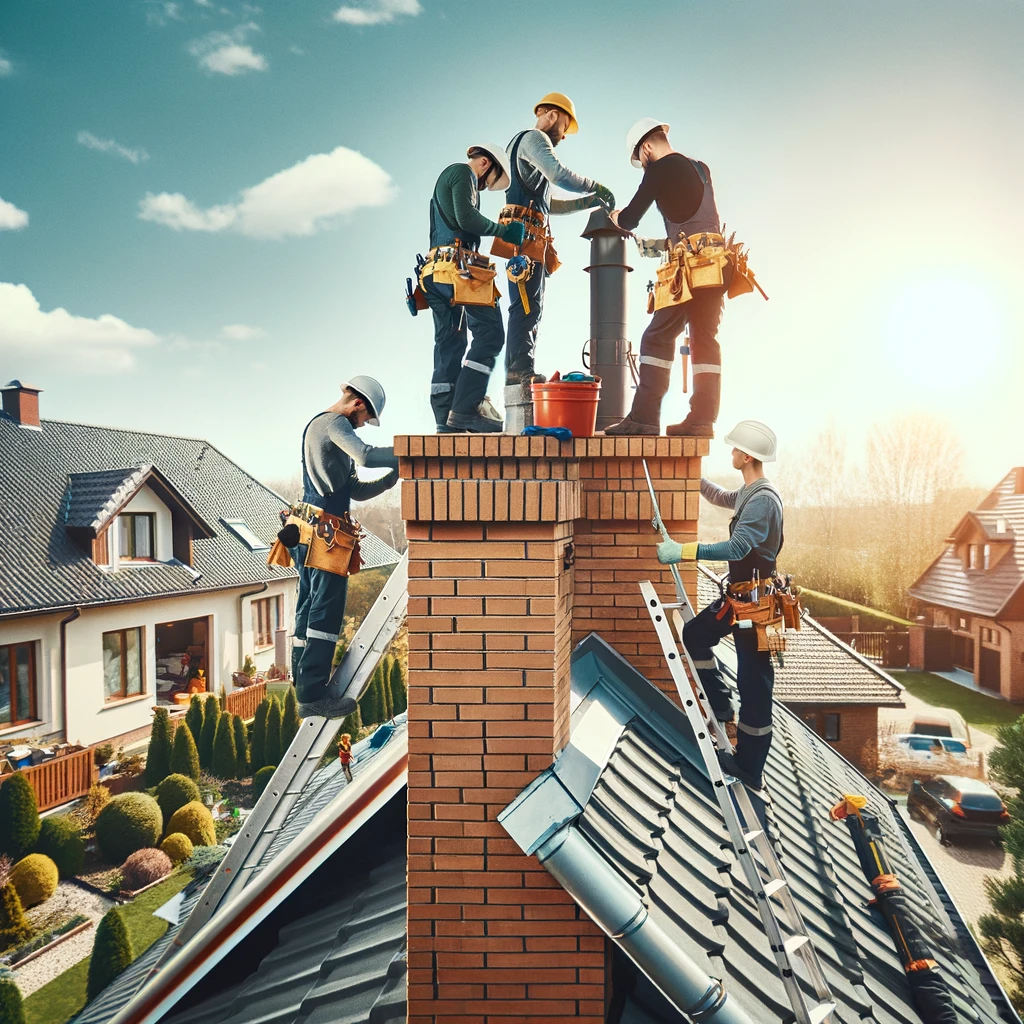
241 620
75 614
619 912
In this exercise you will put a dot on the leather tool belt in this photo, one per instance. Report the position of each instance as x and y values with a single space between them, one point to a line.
770 616
332 542
538 243
470 273
699 261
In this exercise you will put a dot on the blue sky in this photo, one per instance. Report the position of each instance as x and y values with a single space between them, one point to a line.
244 189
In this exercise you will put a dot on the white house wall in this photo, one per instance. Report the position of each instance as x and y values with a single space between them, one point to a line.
90 719
147 501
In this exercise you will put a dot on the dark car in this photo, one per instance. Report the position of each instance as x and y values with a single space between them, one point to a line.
959 808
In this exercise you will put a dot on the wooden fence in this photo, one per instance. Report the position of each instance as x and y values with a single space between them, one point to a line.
245 701
61 780
890 649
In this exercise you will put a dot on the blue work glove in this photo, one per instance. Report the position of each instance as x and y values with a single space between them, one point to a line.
670 552
513 232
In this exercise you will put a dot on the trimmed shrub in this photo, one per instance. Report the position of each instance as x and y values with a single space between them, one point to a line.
111 952
174 792
258 740
19 817
399 693
368 704
225 761
194 719
178 847
14 928
261 778
272 748
206 858
35 879
11 1009
97 798
241 746
144 867
290 720
195 821
185 756
102 753
60 839
352 724
158 756
211 716
385 687
130 822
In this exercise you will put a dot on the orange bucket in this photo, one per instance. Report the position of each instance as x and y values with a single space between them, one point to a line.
567 404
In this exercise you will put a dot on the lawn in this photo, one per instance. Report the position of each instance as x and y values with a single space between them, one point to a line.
59 999
979 711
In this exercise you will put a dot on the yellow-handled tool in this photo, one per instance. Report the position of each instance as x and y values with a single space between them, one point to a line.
519 270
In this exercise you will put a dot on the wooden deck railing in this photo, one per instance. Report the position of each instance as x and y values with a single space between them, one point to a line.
890 649
245 701
61 780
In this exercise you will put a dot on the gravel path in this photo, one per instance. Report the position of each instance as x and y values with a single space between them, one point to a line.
69 899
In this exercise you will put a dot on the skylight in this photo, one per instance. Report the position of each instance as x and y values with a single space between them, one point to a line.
241 529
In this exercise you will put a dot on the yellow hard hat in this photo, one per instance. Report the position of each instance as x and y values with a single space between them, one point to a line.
560 100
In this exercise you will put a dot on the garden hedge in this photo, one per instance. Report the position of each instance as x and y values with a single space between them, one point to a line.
60 839
130 822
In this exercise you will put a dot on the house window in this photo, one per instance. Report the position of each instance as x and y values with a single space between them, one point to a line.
987 556
1000 526
122 664
246 534
266 617
17 684
811 721
135 534
963 623
831 732
972 556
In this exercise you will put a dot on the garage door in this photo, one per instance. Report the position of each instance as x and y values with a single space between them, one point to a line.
989 674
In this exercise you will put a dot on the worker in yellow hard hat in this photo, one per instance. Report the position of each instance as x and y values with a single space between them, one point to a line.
534 168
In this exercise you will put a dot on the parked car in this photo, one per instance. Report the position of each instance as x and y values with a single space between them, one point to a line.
928 748
958 807
941 722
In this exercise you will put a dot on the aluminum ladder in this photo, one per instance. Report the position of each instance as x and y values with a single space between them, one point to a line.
311 742
764 873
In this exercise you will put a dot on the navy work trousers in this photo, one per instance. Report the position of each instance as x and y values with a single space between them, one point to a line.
521 347
755 678
319 615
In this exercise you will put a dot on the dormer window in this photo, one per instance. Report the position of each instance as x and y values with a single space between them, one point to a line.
1000 526
986 560
972 556
135 534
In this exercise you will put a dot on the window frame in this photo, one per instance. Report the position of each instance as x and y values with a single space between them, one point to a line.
123 693
132 557
33 691
274 604
828 717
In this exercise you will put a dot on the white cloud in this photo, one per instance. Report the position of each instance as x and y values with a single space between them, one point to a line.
299 200
241 332
377 12
6 67
91 141
11 218
102 343
227 53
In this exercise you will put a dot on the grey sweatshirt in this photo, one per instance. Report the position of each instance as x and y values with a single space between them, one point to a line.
332 452
537 161
759 527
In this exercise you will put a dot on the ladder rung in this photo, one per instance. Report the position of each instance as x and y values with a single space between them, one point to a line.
791 945
774 886
820 1013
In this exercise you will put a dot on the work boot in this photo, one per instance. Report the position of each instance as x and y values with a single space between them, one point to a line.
632 426
473 423
487 410
704 403
690 429
324 701
523 375
727 762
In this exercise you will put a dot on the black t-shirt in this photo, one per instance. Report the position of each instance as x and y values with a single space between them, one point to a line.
674 184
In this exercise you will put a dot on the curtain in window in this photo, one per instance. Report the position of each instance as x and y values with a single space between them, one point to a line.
124 536
23 671
133 655
143 538
112 665
5 687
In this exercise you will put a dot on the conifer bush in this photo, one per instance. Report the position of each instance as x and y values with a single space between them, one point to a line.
178 847
224 764
369 704
399 693
352 724
143 868
60 839
19 817
111 952
272 747
35 879
185 755
96 799
211 717
290 719
195 821
194 718
130 822
14 926
174 792
158 756
261 778
241 746
258 740
12 1010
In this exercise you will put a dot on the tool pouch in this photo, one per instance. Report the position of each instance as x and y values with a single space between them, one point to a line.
743 280
789 609
767 623
538 241
279 554
471 275
671 287
334 546
706 258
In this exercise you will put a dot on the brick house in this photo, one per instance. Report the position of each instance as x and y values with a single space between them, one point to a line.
972 595
835 690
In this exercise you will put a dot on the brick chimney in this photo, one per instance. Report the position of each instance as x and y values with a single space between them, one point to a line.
518 548
21 403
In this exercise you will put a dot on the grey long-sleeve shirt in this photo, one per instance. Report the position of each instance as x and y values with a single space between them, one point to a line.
332 452
759 527
537 162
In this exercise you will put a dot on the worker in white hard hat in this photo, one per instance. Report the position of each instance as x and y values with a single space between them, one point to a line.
534 169
682 190
458 387
331 451
755 539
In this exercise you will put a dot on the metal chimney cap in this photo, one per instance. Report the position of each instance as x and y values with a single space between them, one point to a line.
600 223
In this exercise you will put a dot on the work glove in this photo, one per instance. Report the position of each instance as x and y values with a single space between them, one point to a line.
670 552
514 232
605 196
651 246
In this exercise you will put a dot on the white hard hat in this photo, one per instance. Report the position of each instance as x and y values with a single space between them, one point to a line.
370 391
754 438
638 133
500 157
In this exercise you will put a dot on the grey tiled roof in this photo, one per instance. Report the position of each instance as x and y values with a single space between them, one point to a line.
982 592
91 498
654 820
818 668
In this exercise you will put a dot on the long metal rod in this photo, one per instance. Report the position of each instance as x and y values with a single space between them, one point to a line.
312 741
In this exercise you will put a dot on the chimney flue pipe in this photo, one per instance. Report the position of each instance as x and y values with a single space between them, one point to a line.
608 344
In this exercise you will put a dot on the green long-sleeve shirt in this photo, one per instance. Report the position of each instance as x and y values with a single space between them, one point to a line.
456 193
